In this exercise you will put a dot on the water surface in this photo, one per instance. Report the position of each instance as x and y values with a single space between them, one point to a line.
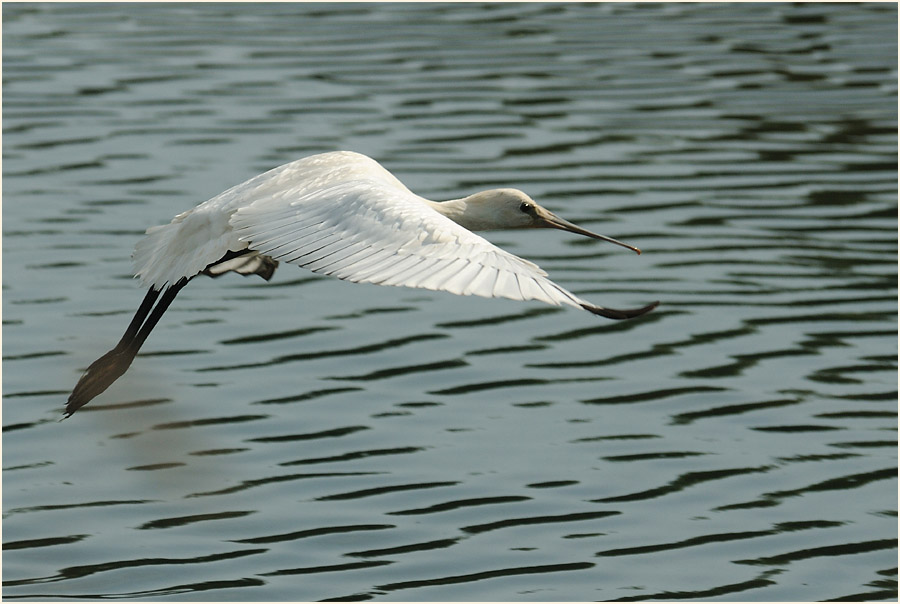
310 439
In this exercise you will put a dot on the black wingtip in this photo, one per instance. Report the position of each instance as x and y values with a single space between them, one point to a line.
612 313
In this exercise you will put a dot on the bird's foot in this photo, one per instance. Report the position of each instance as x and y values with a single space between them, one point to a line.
98 377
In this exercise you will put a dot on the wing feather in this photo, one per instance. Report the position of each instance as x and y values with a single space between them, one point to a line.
300 255
387 268
338 257
482 280
353 269
444 275
412 276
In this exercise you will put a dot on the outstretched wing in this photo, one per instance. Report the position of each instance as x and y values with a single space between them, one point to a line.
369 230
344 215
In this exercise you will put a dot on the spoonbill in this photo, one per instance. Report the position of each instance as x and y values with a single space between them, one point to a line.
339 214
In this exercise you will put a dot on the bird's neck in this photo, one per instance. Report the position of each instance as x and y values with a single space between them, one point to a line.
466 214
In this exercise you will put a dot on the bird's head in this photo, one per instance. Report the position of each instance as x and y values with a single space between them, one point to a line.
513 209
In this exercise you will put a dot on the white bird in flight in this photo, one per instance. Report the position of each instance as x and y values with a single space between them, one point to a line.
340 214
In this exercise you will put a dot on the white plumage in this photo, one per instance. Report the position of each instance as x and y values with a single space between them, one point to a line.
340 214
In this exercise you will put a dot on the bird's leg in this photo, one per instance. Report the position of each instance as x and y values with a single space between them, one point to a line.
155 316
137 320
110 367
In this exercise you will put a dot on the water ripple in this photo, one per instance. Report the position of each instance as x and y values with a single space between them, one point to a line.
466 449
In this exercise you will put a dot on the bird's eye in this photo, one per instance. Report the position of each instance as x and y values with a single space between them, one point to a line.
525 207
